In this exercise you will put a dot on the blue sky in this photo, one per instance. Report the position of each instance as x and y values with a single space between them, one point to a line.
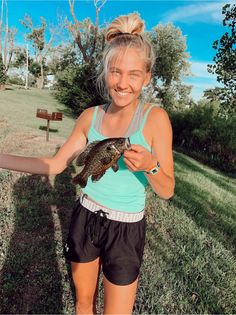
200 21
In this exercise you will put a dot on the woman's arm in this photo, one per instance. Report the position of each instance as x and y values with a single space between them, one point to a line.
163 182
56 164
159 132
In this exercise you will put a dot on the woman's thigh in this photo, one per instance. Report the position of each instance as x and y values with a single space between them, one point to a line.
119 299
85 277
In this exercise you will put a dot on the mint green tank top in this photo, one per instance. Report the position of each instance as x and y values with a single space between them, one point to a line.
123 190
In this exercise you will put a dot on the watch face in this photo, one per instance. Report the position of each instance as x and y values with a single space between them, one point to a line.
154 170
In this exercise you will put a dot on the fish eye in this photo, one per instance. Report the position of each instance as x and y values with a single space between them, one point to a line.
108 148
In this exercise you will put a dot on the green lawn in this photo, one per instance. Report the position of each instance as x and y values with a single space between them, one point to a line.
189 261
18 107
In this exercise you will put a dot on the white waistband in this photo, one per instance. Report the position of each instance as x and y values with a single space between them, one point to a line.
110 213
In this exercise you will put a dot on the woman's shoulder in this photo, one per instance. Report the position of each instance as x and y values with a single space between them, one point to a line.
154 109
85 118
88 112
157 116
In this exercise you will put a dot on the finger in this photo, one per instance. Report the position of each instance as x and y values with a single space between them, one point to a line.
129 165
137 147
130 154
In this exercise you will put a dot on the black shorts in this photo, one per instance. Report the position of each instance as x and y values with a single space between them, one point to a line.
119 244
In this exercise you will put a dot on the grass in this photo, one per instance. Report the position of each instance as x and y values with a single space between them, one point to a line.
19 106
189 262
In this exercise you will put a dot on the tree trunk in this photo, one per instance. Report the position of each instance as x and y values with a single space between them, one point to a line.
2 87
1 25
40 82
6 38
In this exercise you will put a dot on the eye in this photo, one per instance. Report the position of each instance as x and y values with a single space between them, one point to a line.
108 148
134 75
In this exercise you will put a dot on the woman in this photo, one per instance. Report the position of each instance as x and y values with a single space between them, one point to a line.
108 223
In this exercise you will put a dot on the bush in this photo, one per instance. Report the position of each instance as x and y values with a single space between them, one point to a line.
202 132
76 88
16 80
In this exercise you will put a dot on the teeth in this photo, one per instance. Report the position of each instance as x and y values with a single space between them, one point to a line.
122 93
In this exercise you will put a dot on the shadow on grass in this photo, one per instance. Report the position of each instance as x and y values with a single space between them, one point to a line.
220 178
30 278
64 199
203 207
44 128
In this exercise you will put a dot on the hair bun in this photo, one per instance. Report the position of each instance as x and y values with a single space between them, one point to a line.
125 24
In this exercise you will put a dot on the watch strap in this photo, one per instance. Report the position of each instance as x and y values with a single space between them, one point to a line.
154 169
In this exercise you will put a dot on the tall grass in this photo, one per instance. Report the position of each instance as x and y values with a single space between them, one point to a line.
189 262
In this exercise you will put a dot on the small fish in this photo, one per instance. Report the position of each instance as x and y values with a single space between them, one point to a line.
98 157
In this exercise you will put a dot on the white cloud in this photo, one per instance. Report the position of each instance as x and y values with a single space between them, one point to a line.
201 79
199 69
202 12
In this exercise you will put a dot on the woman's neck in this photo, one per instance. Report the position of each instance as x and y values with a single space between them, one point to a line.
122 111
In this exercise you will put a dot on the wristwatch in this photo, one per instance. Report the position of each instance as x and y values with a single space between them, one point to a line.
154 169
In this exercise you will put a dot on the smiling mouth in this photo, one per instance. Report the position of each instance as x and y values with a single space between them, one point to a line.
122 93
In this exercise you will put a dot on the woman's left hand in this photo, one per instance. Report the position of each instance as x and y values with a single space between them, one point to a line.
138 158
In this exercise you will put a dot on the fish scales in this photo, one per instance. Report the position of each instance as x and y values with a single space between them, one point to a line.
98 156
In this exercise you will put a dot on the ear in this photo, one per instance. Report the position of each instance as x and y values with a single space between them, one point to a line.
147 79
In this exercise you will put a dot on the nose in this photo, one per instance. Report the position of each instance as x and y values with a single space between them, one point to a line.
122 82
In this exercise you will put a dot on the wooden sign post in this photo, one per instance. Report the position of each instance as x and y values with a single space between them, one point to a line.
43 113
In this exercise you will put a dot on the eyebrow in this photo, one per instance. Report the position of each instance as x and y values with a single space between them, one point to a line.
132 71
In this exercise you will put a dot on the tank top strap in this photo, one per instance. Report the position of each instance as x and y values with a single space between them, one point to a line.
99 117
94 116
146 114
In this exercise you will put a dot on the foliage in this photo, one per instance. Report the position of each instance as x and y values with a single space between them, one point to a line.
87 35
76 88
37 35
3 76
170 46
203 131
62 58
171 65
16 80
35 68
225 59
225 97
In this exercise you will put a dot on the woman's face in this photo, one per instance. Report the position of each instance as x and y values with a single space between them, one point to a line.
126 76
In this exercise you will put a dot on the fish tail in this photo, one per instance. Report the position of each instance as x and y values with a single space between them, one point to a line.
81 180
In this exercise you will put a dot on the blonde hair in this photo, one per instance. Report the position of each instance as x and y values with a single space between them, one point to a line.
126 31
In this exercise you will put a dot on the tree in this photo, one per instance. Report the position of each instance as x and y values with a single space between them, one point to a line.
77 69
62 57
171 63
37 37
6 37
3 76
86 34
76 87
225 60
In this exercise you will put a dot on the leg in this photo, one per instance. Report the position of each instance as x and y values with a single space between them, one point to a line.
119 299
85 277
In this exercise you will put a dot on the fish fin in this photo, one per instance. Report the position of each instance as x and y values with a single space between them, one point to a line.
115 167
84 154
95 178
81 180
106 160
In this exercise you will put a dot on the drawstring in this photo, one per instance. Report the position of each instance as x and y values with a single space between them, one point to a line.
96 222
